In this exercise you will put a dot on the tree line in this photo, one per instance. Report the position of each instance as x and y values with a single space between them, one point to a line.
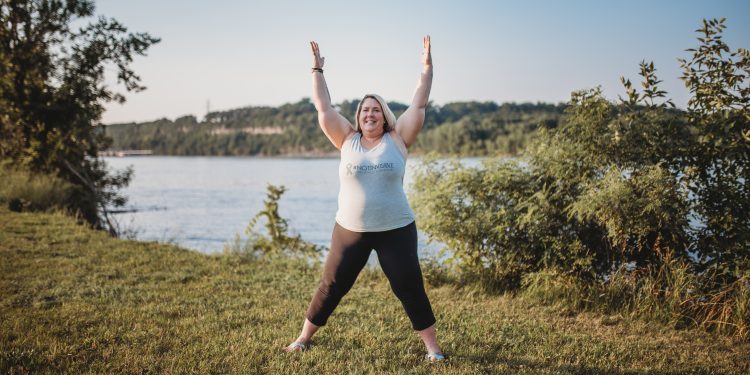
461 128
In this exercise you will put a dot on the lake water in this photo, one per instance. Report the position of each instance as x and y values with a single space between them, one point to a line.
201 203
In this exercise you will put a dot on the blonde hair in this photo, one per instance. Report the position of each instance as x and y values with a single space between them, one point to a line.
390 118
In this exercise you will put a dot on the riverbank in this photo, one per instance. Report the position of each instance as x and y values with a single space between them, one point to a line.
74 300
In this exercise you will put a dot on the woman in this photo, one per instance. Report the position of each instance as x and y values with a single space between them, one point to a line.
373 211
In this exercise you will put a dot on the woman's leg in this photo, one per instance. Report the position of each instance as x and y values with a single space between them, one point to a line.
397 254
429 338
308 330
348 255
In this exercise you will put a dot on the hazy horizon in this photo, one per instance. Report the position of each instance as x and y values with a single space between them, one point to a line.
236 54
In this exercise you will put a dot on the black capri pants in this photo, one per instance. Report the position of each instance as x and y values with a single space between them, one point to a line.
397 254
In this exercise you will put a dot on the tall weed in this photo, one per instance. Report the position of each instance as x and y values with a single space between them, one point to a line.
671 294
276 239
22 190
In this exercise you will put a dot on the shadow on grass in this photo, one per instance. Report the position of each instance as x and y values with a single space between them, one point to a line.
491 362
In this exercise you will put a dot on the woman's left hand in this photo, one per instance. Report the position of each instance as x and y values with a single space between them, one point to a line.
426 54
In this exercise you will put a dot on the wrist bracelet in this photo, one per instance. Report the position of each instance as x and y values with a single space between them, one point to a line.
317 70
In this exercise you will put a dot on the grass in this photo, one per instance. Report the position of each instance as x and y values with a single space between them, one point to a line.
74 300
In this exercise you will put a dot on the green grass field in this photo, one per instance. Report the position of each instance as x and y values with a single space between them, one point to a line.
74 300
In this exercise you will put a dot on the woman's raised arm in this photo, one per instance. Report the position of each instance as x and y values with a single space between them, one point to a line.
335 126
410 122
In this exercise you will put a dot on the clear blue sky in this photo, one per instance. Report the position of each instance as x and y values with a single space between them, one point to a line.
240 53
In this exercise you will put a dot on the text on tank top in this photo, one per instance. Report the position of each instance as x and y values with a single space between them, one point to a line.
371 194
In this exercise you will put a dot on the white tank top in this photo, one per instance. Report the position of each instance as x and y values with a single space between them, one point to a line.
371 195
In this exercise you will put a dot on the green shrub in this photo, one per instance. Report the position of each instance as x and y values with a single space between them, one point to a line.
645 206
475 212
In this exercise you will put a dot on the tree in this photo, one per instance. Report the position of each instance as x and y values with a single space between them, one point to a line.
52 95
717 166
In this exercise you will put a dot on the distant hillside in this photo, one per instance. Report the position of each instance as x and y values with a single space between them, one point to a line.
461 128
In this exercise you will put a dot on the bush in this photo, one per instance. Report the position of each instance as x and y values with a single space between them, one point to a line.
648 207
476 213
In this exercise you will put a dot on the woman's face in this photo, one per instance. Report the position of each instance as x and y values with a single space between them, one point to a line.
371 118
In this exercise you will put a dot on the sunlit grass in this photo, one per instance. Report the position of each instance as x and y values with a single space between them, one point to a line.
74 300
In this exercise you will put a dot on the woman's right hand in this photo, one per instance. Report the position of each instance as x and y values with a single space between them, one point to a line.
317 60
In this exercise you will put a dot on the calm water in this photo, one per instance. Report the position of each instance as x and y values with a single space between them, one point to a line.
201 203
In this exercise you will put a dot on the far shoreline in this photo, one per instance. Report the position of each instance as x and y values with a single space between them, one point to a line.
322 155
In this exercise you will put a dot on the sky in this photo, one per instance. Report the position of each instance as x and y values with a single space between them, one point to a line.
226 54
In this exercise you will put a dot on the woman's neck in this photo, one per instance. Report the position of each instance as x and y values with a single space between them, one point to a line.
371 141
373 137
